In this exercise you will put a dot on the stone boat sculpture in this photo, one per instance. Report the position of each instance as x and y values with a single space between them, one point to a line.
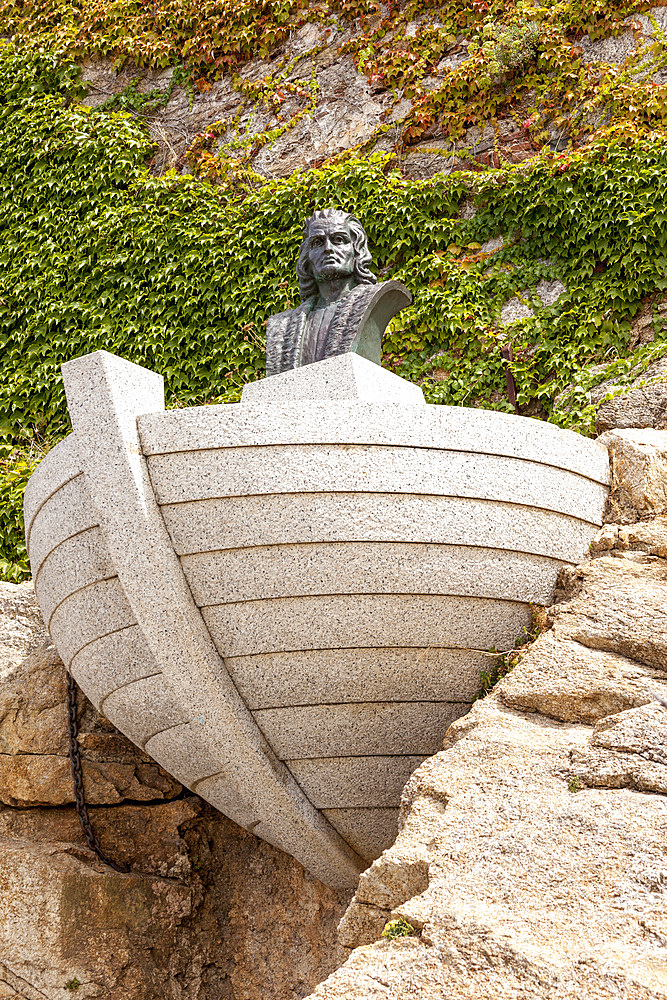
288 600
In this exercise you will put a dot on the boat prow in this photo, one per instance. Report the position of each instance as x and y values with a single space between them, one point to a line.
287 601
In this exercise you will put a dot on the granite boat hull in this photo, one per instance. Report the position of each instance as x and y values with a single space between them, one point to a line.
286 603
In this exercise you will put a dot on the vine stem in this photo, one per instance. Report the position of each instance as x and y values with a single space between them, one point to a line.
77 778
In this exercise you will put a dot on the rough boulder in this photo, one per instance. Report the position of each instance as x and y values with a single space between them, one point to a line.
530 860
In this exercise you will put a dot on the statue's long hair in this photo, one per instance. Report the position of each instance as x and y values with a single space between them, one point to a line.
362 257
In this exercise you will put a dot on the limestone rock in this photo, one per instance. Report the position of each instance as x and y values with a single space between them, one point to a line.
648 537
34 756
639 471
66 918
23 631
628 750
153 838
616 606
535 889
572 683
208 911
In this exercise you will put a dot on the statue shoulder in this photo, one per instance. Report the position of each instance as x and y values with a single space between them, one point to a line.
381 290
363 316
282 318
283 333
368 297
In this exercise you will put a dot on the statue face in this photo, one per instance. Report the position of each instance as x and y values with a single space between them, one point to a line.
330 249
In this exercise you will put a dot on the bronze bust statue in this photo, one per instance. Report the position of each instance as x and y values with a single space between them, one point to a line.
343 308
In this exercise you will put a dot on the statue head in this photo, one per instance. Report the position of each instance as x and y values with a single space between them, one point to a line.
334 247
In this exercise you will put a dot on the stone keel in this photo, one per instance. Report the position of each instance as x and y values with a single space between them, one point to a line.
105 395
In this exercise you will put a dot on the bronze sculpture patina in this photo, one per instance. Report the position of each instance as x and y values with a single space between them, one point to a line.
343 307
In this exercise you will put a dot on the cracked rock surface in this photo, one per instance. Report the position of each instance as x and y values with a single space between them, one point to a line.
208 912
531 858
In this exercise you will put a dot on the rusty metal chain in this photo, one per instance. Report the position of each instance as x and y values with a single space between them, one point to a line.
77 778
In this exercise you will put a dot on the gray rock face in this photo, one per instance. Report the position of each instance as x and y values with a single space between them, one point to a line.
349 114
643 404
614 49
550 291
339 108
515 309
530 856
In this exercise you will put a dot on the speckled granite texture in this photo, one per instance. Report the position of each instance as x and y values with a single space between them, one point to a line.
287 602
347 376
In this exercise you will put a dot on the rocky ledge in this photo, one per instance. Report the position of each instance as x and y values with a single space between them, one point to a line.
531 857
208 912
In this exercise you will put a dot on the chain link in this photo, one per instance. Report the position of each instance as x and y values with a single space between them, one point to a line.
77 777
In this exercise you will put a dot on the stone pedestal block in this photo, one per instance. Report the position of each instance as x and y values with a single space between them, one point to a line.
347 376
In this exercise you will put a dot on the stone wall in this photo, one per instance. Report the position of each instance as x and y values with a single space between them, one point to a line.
351 112
208 911
530 860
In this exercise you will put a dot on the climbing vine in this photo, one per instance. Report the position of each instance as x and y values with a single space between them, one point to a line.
179 272
209 37
458 64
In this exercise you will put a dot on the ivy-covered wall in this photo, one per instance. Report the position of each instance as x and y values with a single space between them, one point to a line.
180 271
